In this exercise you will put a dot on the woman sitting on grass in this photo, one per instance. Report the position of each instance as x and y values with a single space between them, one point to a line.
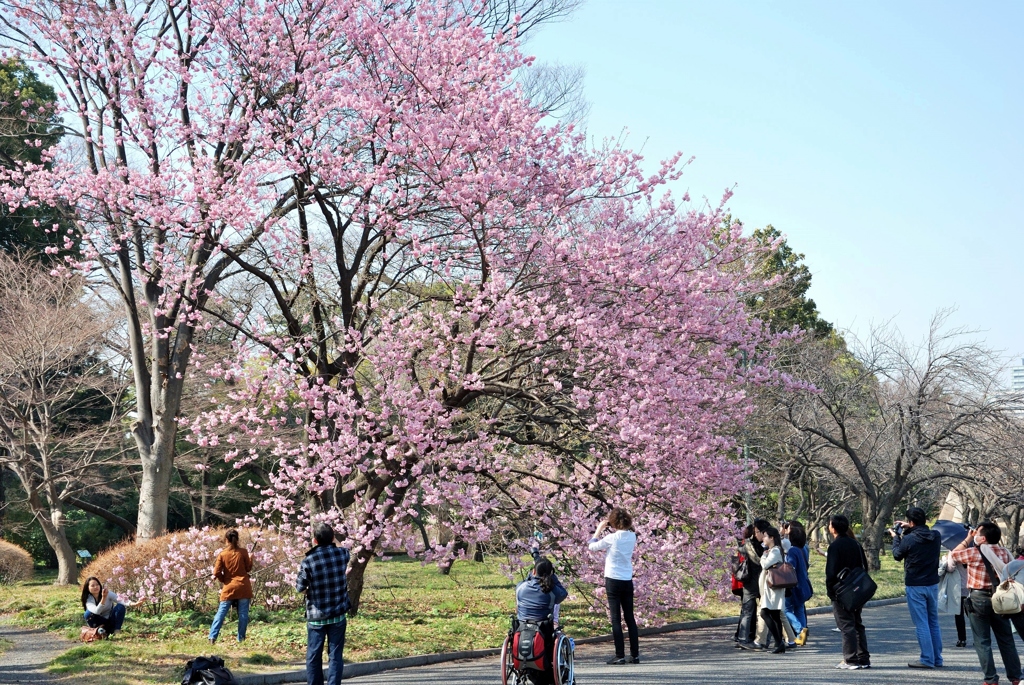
102 610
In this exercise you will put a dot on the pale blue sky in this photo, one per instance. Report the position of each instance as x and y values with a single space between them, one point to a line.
885 139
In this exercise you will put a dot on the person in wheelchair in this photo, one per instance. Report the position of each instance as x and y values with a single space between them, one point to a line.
539 595
536 651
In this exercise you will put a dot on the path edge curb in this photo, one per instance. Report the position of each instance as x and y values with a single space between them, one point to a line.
371 667
366 667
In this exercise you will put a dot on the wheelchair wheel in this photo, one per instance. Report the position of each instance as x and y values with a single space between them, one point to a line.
508 674
565 673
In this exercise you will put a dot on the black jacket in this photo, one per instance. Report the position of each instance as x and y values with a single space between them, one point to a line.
843 553
919 551
753 550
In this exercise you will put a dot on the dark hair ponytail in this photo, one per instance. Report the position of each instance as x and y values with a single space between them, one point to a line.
232 538
545 572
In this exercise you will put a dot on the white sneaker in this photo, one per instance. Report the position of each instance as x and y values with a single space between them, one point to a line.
847 667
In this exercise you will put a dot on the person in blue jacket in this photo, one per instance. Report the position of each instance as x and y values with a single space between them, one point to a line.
799 558
539 595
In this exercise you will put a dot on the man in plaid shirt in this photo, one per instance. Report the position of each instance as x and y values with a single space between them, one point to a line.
322 578
984 621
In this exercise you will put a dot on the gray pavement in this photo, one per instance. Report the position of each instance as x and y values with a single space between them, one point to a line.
25 661
708 656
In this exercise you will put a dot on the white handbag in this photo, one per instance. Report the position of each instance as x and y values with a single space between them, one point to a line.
1008 598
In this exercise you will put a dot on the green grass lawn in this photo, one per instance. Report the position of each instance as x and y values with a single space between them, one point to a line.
407 609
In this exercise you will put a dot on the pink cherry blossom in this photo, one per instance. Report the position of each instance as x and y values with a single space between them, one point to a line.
448 310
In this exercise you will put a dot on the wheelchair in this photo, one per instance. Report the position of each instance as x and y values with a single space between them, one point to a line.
524 662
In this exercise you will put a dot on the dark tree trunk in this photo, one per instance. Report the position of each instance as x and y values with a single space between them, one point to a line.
122 523
3 498
356 577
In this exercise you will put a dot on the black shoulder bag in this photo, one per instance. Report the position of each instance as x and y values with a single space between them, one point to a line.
855 587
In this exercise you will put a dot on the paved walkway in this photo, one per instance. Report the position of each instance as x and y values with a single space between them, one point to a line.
708 656
694 656
25 661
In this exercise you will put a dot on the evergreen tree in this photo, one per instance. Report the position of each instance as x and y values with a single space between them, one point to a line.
786 305
29 125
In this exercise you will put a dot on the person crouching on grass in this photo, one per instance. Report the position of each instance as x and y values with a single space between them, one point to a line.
102 609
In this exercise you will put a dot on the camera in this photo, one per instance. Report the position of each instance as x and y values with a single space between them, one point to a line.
898 529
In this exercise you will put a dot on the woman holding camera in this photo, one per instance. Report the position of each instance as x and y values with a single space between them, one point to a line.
980 544
539 595
618 547
102 608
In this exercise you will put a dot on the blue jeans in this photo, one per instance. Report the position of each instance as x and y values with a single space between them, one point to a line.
222 613
111 623
796 614
334 635
923 602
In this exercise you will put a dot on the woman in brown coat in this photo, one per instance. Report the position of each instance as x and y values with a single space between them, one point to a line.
232 569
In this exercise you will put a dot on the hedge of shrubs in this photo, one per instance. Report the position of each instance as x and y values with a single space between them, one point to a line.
175 572
15 563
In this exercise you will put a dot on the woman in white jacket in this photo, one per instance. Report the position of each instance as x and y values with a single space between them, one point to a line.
772 601
618 547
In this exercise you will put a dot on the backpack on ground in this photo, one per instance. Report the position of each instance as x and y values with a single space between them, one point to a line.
207 671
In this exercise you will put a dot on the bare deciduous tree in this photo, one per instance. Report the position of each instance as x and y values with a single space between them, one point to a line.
500 15
891 416
60 401
993 488
557 89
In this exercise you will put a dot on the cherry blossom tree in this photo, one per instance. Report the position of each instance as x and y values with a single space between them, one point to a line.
181 116
471 310
192 123
449 303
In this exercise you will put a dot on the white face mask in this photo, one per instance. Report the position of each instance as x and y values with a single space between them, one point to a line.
979 540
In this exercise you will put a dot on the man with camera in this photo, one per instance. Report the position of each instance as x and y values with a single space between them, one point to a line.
919 547
973 552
